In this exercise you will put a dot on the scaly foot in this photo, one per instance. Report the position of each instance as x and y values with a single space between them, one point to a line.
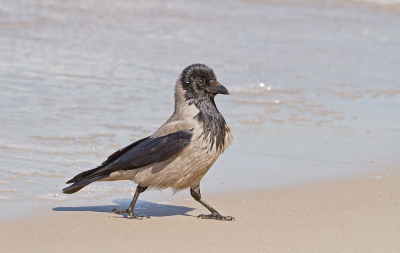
131 214
216 216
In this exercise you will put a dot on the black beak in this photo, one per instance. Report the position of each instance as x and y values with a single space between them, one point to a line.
219 89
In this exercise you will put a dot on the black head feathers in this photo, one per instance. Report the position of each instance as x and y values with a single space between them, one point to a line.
200 82
197 71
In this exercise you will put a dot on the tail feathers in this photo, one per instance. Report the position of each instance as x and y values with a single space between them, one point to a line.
82 175
79 185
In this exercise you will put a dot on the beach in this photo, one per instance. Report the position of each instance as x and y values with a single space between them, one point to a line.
359 214
314 108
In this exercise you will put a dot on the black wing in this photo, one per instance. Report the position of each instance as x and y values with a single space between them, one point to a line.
149 151
112 157
141 153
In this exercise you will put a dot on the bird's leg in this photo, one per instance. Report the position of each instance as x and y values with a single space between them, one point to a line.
139 189
195 192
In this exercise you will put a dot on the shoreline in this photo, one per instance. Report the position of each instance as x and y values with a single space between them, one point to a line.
357 214
121 198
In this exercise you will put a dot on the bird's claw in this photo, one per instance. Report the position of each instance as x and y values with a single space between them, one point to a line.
131 214
119 211
216 216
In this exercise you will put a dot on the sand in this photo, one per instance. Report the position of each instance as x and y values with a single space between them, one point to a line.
345 215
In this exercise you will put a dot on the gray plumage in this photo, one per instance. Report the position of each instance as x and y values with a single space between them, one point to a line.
180 152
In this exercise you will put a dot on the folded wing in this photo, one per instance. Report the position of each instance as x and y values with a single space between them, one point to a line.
138 154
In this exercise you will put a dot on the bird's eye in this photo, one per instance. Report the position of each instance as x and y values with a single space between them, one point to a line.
200 81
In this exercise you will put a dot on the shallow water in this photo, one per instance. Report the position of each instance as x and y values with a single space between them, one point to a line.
315 89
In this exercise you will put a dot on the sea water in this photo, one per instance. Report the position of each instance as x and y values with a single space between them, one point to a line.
315 90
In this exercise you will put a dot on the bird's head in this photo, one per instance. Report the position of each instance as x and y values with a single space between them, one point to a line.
199 82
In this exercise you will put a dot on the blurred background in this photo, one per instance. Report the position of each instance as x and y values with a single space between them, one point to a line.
315 89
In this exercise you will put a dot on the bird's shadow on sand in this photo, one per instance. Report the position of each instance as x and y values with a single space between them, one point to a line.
141 208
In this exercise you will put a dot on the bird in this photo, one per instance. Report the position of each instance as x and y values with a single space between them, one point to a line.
179 153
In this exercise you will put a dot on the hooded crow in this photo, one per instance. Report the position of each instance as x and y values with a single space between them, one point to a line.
180 152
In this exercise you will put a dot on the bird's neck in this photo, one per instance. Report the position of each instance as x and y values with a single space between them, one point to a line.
214 125
206 113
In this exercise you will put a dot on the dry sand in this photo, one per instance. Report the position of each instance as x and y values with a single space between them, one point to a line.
347 215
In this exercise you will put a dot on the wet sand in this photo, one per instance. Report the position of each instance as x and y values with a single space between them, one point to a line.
359 214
